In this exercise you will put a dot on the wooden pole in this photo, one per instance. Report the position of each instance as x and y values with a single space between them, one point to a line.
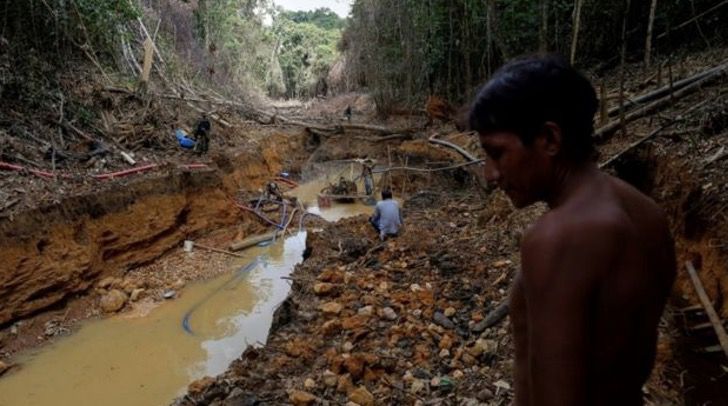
148 57
204 247
543 30
622 122
575 32
604 111
709 310
648 39
249 242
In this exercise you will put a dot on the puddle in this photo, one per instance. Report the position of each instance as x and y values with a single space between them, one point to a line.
150 359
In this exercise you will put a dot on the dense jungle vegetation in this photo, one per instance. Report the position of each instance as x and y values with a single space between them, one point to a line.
399 50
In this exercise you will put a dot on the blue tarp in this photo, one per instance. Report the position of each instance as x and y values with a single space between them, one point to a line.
184 141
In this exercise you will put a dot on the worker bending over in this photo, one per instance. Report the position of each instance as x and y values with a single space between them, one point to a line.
387 218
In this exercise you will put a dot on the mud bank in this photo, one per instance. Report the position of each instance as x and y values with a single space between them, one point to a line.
54 252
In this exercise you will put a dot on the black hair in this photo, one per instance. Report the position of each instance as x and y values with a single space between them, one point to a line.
386 194
524 94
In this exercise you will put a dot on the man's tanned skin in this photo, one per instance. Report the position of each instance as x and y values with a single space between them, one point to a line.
596 268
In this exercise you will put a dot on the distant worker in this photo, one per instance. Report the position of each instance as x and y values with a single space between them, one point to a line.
202 135
347 113
387 218
367 175
273 192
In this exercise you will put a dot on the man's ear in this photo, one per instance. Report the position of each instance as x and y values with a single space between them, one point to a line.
552 138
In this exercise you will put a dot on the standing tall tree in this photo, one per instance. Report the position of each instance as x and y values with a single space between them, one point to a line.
543 28
575 32
648 40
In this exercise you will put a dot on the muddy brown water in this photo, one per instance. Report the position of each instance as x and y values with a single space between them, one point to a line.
146 357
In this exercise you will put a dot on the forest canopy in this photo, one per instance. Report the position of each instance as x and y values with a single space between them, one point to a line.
398 50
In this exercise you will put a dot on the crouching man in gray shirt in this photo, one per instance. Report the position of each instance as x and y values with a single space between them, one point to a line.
387 218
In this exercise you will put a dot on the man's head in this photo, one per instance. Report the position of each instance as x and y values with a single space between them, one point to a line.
534 117
386 194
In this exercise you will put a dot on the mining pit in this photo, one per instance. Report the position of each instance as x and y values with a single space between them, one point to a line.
102 303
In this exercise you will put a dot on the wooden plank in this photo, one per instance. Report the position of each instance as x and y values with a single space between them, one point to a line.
701 326
148 57
705 300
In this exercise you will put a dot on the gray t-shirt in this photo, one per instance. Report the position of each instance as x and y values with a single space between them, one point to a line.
388 217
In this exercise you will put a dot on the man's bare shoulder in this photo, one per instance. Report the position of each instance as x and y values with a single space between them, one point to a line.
572 228
637 204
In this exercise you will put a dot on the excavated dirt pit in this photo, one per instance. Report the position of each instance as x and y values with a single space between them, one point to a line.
409 327
148 355
63 260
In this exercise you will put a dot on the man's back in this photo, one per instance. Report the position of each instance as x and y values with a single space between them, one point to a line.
388 216
597 272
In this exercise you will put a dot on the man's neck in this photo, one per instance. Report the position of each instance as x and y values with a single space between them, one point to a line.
568 178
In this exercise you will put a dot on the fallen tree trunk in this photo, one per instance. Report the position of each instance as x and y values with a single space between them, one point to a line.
646 138
604 133
665 90
459 149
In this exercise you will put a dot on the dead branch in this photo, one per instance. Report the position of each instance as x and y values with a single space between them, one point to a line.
686 23
459 149
709 310
429 170
651 135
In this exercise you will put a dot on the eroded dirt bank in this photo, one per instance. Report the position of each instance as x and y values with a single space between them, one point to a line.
54 252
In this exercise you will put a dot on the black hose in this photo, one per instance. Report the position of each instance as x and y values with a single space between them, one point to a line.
242 272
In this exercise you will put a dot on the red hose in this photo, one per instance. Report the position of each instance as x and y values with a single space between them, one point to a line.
287 181
194 166
109 175
250 209
43 174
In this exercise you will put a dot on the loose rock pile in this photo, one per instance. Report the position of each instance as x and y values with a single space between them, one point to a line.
394 322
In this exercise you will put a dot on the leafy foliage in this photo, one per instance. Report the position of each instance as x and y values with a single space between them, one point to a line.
58 26
306 49
322 17
235 43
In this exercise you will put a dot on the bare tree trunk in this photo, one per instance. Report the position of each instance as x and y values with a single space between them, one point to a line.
575 32
623 57
489 34
543 31
648 40
603 110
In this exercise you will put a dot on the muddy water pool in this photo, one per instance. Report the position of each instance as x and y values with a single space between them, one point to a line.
149 357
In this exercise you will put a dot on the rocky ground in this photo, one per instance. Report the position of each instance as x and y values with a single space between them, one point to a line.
396 322
402 321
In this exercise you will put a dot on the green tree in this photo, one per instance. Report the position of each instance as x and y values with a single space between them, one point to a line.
307 50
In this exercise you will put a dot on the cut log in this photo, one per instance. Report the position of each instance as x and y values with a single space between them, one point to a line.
250 241
705 300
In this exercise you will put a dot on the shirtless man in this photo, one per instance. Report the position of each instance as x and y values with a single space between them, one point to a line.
597 268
